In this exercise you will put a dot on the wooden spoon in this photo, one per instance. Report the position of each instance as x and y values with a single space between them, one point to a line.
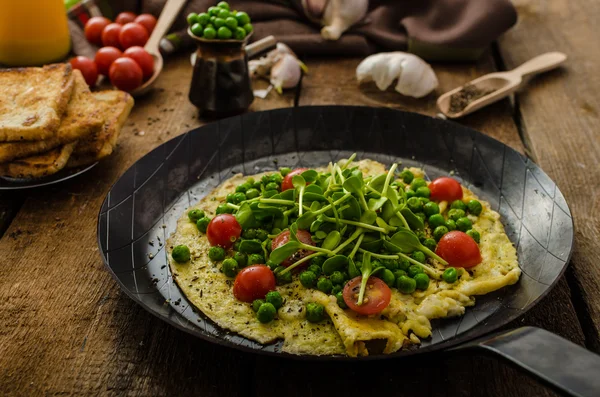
165 20
500 84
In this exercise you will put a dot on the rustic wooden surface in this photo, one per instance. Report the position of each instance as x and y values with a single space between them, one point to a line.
67 329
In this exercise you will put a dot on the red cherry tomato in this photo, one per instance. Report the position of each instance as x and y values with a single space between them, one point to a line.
105 56
110 35
125 17
287 181
146 20
283 237
253 282
445 188
133 34
377 295
459 249
142 58
223 230
87 67
125 74
93 29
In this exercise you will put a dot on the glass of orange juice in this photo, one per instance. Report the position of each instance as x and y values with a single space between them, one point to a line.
33 32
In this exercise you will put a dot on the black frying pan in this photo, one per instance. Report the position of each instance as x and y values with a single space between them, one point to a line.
143 206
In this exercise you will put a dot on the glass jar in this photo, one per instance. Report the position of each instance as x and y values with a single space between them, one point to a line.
33 32
221 83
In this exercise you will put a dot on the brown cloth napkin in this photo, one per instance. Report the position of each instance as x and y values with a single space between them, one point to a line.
433 29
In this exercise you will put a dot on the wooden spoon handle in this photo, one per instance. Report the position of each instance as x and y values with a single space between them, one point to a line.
540 64
165 20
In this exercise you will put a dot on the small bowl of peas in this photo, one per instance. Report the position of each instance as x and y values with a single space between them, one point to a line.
219 23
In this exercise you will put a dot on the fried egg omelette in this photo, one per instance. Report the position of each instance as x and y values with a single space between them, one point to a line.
405 321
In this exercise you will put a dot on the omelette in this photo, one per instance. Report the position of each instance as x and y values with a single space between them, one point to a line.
405 319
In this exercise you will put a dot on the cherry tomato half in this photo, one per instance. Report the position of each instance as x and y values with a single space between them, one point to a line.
223 230
142 58
110 35
93 29
146 20
283 237
377 295
133 34
125 17
445 188
87 67
105 56
253 282
459 249
287 181
125 74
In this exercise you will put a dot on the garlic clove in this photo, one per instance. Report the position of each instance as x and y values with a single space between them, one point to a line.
286 72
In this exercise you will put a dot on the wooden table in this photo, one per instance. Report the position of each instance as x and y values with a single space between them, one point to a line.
67 329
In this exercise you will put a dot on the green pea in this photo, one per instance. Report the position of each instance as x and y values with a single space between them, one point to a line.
407 176
410 194
274 298
219 22
209 33
463 224
414 204
213 11
336 289
224 5
231 23
315 312
474 235
239 33
243 19
203 18
421 235
272 186
431 209
181 254
249 234
337 277
451 225
202 224
318 261
266 313
224 209
339 297
391 264
423 191
229 267
192 18
419 256
224 14
197 30
417 183
255 259
324 285
257 304
458 205
436 220
422 281
262 234
238 197
308 279
241 259
211 22
474 207
430 243
403 264
388 277
421 216
406 285
243 188
250 181
272 265
283 170
236 244
424 200
269 193
399 273
439 232
194 215
414 270
252 193
450 275
248 28
275 230
315 269
456 214
216 254
284 278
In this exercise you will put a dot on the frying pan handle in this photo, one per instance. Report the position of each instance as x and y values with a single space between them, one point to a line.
563 364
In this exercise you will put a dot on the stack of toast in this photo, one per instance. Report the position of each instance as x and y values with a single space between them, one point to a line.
49 120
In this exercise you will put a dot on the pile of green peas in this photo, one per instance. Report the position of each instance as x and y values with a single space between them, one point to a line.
219 22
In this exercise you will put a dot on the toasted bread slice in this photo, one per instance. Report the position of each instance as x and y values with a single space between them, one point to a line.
33 101
83 118
41 165
118 106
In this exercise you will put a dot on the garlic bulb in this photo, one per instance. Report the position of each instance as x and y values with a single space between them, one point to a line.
415 77
341 15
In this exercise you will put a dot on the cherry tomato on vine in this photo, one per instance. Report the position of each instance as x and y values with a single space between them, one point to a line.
253 282
287 181
377 295
445 189
223 230
459 249
283 237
